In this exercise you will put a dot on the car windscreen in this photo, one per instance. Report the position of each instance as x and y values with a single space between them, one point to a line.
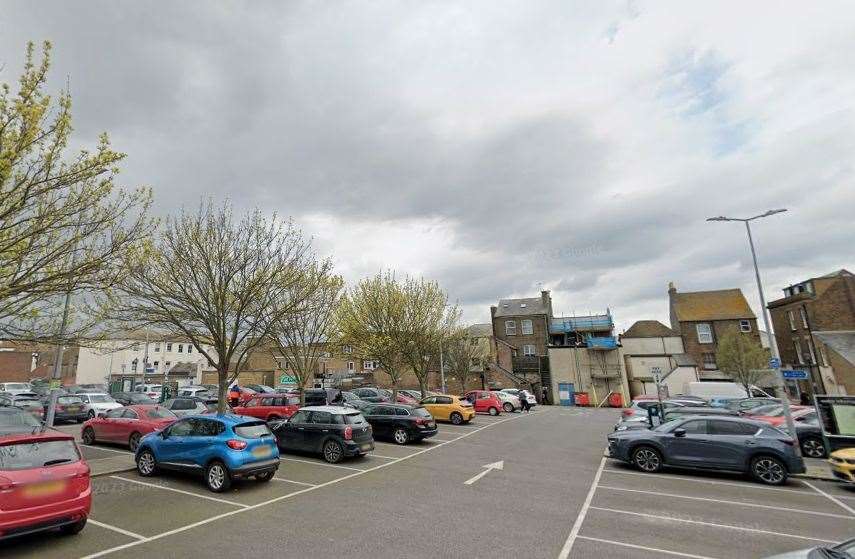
160 413
17 386
100 399
254 430
420 412
69 400
28 455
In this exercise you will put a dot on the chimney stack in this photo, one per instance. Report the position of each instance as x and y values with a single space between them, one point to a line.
671 288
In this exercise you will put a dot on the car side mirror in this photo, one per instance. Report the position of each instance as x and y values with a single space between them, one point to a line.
679 432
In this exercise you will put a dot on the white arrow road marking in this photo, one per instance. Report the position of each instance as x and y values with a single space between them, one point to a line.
500 465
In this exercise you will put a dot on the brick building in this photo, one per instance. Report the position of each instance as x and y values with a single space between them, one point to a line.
813 324
22 361
521 334
702 318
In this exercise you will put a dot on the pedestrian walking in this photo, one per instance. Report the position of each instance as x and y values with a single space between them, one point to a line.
544 393
526 407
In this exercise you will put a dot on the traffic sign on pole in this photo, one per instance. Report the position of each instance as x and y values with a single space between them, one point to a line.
796 374
774 363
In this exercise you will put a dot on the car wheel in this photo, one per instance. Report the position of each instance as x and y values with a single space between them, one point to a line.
456 418
74 528
647 459
88 435
813 447
91 414
146 464
508 407
401 436
333 453
217 477
134 441
493 411
768 470
266 476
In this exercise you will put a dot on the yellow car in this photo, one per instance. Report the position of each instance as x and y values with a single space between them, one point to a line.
843 464
444 407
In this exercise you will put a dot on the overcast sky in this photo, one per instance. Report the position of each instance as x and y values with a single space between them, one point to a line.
497 147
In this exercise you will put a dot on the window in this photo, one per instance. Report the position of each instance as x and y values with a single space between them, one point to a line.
704 333
695 427
510 328
350 365
528 350
157 348
804 318
709 361
183 404
189 348
168 347
401 411
134 365
720 427
429 400
527 328
167 364
799 357
382 410
33 455
212 428
300 417
791 317
823 356
322 417
156 364
181 429
368 365
116 413
810 350
180 348
347 349
129 414
443 400
744 325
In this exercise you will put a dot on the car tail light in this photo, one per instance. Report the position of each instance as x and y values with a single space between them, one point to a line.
59 408
348 433
421 421
627 412
235 444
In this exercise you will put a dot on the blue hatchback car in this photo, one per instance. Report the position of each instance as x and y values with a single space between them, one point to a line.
222 447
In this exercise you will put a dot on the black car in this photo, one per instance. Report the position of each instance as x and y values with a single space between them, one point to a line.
132 398
401 423
371 394
332 397
333 432
810 438
68 408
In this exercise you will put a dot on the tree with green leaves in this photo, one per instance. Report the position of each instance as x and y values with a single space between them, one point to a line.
220 282
742 357
65 227
303 337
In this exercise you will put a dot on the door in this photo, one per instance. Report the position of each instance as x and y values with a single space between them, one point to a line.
110 427
690 449
317 430
381 417
444 405
484 401
566 394
201 444
290 435
172 447
730 441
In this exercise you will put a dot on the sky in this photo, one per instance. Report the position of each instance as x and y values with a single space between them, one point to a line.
497 147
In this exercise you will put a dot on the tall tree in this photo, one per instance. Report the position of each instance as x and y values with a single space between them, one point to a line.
463 354
221 283
369 320
742 357
427 324
302 337
64 225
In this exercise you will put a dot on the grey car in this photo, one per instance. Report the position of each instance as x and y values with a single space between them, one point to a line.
842 550
185 406
673 414
710 443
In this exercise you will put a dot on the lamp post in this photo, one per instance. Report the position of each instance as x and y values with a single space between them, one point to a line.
773 344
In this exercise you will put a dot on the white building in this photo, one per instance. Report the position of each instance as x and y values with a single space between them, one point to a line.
649 346
142 357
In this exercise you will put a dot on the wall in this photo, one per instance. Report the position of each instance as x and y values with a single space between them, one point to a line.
15 365
719 327
538 338
564 368
117 356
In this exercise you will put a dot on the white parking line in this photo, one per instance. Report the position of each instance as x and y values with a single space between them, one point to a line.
724 502
382 456
643 548
833 499
128 533
711 524
277 478
574 532
319 463
165 488
277 499
104 448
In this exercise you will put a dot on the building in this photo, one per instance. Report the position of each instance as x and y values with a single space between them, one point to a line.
521 337
814 324
647 347
701 318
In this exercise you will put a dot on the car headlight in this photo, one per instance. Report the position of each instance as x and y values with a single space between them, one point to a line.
622 428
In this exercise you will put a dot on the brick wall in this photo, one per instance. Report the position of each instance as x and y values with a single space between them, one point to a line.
538 338
693 347
15 366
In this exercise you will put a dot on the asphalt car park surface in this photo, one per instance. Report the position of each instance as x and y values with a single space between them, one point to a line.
555 496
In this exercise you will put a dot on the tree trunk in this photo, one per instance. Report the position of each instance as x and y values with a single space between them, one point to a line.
222 377
423 386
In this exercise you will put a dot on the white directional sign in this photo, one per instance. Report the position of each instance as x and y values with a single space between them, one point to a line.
500 465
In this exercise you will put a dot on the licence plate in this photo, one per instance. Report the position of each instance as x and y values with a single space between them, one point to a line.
72 408
365 446
262 451
44 489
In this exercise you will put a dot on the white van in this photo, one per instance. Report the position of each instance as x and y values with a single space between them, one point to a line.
711 390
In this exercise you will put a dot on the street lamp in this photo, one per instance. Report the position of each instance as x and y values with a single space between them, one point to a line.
773 344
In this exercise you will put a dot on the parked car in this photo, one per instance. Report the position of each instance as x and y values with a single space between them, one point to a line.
45 484
97 403
414 394
522 393
133 398
334 432
401 398
193 391
444 407
152 390
223 447
745 405
484 401
775 416
719 443
126 425
269 407
25 402
16 420
401 423
353 401
260 388
723 390
185 406
369 394
11 388
637 412
86 388
69 407
675 413
510 403
843 550
811 441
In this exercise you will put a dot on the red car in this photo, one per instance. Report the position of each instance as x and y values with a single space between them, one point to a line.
269 406
126 425
775 416
44 484
484 401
